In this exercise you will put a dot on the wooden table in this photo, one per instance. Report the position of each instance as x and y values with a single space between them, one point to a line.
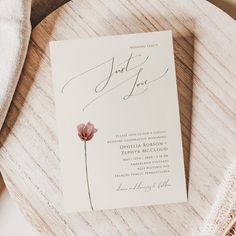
205 54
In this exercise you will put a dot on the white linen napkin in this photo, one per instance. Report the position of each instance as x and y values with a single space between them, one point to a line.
222 218
15 29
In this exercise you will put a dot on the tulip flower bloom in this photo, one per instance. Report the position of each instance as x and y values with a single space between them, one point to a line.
86 133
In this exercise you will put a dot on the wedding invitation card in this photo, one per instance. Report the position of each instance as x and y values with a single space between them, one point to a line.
118 121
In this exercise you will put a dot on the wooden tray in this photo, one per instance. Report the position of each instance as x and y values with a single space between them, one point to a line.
205 54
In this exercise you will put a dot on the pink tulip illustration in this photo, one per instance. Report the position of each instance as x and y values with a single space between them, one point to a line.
86 133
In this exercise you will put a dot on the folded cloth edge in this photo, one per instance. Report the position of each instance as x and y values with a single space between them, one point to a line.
221 213
15 30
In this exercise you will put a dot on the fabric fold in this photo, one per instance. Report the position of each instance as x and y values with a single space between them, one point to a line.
15 30
222 218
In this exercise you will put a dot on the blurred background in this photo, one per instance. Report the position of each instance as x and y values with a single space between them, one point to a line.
228 6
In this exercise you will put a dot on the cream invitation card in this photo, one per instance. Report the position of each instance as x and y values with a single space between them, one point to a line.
118 121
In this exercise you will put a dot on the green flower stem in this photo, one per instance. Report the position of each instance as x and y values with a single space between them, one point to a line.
86 168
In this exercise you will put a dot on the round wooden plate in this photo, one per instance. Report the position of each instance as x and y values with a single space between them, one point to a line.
205 55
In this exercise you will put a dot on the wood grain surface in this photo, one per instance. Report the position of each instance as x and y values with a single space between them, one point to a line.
205 56
228 6
42 8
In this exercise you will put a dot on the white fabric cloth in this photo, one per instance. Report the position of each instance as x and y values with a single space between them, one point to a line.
222 217
15 29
